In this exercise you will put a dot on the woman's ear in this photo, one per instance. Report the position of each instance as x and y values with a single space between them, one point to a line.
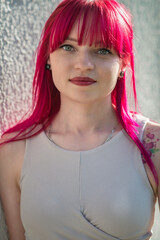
48 61
126 62
122 68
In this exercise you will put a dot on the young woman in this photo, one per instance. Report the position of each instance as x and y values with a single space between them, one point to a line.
82 166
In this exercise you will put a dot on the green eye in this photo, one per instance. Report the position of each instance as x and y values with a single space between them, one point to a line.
67 48
104 51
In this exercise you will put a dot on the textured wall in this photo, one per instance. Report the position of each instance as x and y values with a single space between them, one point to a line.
146 16
21 22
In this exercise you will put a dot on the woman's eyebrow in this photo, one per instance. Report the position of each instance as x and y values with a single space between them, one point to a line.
75 40
71 39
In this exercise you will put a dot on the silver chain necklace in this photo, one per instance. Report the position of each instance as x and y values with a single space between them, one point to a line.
110 136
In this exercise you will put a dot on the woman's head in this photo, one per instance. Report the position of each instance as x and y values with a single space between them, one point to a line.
99 21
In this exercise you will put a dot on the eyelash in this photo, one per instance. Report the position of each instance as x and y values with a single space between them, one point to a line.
71 47
67 45
105 49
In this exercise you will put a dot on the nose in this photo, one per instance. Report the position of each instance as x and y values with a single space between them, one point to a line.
84 62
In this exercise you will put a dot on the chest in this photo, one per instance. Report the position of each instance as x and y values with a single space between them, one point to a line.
106 189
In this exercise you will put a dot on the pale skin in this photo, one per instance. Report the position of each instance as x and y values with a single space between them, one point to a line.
85 119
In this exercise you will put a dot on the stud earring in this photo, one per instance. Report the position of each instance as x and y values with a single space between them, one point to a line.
121 74
48 66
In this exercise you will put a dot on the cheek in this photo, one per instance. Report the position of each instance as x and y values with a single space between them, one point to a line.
57 72
115 71
56 77
110 77
111 71
60 68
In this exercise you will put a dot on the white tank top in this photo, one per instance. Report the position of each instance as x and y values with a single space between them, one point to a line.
99 194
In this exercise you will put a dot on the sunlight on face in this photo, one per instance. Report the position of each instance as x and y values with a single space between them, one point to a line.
98 63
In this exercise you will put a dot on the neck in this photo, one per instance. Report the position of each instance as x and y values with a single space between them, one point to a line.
85 118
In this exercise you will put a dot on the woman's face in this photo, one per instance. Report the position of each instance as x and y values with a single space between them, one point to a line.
84 73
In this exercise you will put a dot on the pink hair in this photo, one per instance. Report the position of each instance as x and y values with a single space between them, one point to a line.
106 21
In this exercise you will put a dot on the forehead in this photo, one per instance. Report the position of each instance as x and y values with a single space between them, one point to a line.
86 35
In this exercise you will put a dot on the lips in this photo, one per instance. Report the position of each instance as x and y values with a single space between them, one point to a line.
82 81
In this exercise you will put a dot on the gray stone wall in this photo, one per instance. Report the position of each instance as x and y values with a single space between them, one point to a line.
146 18
21 22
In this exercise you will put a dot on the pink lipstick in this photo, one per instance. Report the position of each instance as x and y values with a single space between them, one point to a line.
82 81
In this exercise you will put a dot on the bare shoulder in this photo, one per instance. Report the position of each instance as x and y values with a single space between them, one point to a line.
12 148
11 160
12 152
151 142
11 156
151 139
153 126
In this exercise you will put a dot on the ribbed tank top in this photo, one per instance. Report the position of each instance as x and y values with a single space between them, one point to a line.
98 194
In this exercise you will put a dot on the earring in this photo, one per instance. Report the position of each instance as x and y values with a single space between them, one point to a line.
121 74
48 66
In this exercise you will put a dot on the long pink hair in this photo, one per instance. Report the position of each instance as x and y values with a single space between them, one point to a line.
106 21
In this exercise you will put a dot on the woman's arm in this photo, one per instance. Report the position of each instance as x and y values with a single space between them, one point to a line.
151 142
11 159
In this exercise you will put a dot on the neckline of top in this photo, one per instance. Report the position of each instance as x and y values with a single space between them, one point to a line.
97 148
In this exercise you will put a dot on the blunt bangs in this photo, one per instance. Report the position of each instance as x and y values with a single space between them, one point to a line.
104 23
